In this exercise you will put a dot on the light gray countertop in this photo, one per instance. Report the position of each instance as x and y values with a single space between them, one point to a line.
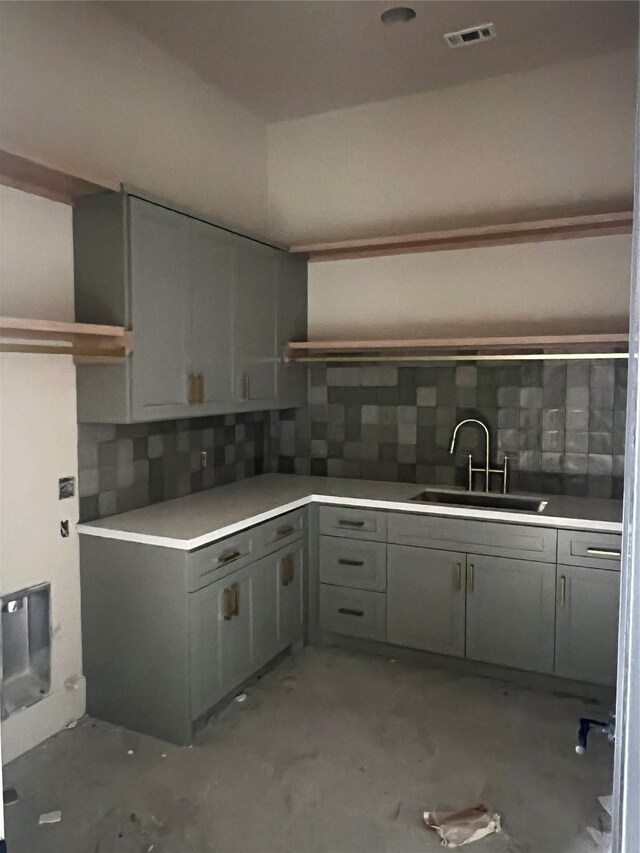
193 521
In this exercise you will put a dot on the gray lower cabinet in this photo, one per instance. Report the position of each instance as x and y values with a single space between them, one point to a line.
426 599
587 624
220 638
511 612
353 612
167 634
353 563
290 569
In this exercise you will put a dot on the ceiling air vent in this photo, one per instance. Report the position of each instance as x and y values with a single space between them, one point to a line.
473 35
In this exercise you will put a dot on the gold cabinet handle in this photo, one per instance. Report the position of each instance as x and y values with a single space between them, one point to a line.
228 603
192 389
343 562
563 591
244 386
347 611
347 522
604 552
287 570
285 531
470 578
227 558
458 577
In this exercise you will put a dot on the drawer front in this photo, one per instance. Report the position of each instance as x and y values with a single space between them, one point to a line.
354 612
214 561
592 550
353 523
478 537
359 565
282 531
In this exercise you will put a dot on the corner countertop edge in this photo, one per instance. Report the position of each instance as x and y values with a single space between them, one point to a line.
563 522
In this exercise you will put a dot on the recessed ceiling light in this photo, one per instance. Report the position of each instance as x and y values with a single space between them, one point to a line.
398 15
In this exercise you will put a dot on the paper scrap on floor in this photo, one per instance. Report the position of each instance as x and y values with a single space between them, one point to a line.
50 817
463 827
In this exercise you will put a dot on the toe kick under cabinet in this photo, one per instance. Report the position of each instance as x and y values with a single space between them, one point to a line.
168 634
521 596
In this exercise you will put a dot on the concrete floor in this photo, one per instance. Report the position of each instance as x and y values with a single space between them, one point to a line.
332 751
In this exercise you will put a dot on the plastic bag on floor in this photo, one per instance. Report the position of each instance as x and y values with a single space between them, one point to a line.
463 827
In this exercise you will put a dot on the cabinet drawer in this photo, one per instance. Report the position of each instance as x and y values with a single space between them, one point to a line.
354 523
282 530
479 537
211 562
360 565
354 612
593 550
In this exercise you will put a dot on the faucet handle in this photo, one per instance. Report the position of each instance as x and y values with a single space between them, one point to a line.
505 474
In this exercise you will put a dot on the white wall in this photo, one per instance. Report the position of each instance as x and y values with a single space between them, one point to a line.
554 139
566 286
38 444
83 94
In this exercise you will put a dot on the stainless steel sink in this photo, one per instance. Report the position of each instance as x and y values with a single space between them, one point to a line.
482 499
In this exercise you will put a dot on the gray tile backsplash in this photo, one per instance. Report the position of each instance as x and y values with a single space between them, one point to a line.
123 467
561 424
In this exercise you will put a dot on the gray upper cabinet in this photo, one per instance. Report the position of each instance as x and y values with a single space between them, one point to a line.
255 325
291 326
511 612
587 624
210 312
426 599
213 262
160 310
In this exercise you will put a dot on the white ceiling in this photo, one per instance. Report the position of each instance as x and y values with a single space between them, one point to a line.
296 58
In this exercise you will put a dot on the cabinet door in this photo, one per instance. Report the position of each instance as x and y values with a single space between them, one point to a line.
204 648
255 323
290 563
426 599
291 326
511 612
161 310
264 610
587 624
213 269
219 639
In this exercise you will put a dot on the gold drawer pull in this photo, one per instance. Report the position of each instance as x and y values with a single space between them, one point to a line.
347 522
563 591
348 612
604 552
286 531
350 563
458 577
470 578
232 555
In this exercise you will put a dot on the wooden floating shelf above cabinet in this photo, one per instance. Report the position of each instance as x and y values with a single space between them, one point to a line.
566 228
528 347
89 343
34 178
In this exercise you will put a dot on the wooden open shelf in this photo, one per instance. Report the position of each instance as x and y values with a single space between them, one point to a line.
88 343
30 177
567 228
607 345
